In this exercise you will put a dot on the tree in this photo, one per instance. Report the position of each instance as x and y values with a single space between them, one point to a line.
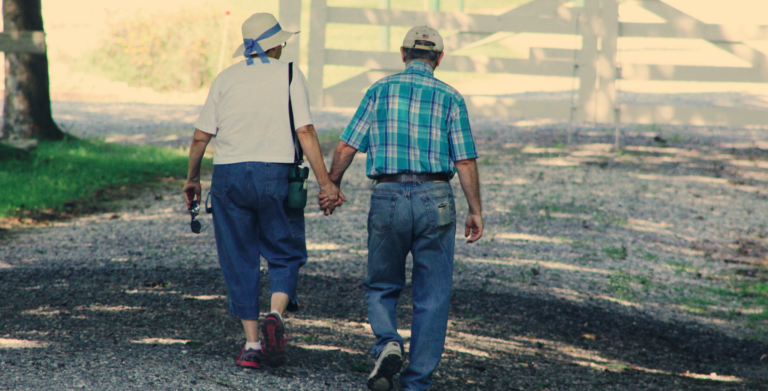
27 106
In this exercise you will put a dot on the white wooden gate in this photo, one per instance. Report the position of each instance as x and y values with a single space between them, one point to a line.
595 64
544 16
681 25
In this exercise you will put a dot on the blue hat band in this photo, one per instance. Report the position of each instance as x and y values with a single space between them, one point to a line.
252 45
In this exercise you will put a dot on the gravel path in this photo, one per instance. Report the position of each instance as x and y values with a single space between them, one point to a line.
598 271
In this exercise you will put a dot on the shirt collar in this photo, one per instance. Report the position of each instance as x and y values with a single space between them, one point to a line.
420 67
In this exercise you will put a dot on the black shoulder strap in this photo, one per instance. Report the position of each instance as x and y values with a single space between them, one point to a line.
298 151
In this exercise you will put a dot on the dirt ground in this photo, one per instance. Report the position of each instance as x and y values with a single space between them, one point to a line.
642 270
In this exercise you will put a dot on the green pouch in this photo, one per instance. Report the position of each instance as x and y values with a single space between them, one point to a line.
297 187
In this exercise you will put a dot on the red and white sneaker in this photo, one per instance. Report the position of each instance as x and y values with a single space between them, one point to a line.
273 340
250 358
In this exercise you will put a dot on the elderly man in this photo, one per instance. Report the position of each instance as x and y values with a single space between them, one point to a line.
252 110
417 134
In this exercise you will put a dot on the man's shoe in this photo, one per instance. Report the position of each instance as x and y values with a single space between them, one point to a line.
250 358
387 366
273 342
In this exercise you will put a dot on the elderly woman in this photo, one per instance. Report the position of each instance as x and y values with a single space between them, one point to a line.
248 111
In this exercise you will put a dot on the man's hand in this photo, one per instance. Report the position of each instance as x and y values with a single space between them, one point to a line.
192 189
330 197
474 226
470 183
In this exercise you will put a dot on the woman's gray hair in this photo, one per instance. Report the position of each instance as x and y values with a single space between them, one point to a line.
420 54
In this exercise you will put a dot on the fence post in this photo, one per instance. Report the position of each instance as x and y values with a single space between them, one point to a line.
316 54
585 109
597 62
384 4
290 20
606 105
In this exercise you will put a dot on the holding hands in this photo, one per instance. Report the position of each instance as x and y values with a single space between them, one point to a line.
330 198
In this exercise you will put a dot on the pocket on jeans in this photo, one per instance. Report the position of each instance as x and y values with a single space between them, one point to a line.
382 212
444 215
277 180
442 211
220 179
278 188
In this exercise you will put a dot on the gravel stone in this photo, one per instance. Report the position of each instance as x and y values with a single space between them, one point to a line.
597 271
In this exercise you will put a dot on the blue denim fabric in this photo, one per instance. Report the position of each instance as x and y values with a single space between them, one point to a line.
251 220
419 218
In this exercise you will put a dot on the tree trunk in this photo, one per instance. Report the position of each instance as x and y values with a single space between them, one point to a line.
27 106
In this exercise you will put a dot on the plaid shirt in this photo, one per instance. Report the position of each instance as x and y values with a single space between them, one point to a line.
411 122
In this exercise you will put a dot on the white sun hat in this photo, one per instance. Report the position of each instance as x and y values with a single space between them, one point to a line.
261 32
423 33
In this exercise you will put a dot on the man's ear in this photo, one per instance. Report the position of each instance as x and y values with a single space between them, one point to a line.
402 53
439 58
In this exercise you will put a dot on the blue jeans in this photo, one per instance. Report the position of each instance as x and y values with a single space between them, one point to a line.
419 218
251 220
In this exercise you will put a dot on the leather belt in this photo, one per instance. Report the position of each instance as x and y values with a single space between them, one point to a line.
412 178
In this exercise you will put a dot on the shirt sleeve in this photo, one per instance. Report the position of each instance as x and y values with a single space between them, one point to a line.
300 99
356 133
208 119
460 141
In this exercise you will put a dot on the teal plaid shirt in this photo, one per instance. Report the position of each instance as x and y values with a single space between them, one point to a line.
411 122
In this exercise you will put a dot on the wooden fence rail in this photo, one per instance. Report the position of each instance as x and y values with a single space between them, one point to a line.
595 64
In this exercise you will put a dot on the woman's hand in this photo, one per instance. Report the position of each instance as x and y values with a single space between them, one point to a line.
330 197
191 190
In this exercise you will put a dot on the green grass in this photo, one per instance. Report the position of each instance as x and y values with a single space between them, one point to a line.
76 170
555 205
758 293
616 253
620 283
682 266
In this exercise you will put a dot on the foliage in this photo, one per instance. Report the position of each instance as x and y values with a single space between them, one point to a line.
179 51
445 5
60 172
176 51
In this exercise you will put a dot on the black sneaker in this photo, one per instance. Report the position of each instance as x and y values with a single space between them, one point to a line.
250 358
387 366
273 341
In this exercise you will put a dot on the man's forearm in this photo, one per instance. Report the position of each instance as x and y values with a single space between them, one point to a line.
470 183
311 146
342 158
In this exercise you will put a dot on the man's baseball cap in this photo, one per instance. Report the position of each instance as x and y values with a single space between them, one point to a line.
423 33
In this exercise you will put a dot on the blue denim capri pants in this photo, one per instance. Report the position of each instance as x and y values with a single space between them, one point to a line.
251 221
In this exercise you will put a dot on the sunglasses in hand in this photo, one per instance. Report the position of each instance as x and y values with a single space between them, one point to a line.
195 224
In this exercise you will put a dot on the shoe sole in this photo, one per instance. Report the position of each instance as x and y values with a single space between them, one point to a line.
273 346
248 364
382 380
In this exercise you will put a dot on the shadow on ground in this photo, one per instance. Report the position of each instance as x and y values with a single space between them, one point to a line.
496 341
